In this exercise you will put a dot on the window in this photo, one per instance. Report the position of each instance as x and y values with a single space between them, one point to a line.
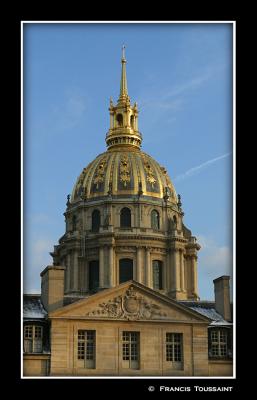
86 348
119 119
157 274
132 119
219 343
174 347
93 279
125 269
125 218
95 220
155 220
130 350
74 223
33 336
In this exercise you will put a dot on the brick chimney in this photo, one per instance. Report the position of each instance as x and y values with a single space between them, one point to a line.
222 296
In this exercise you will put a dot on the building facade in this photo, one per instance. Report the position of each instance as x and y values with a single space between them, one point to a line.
121 297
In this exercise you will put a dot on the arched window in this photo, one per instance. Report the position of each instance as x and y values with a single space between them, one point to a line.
157 274
125 269
155 220
132 120
119 119
175 222
74 223
125 218
93 276
96 220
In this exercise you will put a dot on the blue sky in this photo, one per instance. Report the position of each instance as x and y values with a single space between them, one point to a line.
181 77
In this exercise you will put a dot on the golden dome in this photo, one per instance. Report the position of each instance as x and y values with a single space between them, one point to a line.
122 172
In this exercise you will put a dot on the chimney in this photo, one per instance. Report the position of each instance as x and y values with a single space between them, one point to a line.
222 296
52 287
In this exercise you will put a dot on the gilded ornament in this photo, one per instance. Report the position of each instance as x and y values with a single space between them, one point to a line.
149 173
99 177
124 170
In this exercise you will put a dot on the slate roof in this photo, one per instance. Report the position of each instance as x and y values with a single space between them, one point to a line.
33 308
207 308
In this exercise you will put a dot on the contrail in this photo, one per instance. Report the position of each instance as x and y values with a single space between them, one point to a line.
195 170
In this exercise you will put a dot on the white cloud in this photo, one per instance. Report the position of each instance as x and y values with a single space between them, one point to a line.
36 258
213 261
198 168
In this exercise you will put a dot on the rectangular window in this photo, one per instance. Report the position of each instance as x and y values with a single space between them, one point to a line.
130 350
219 343
174 346
86 347
33 337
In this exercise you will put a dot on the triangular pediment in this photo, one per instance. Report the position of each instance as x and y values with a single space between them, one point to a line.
129 301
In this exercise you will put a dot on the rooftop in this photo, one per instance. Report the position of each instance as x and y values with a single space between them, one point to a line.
207 309
33 308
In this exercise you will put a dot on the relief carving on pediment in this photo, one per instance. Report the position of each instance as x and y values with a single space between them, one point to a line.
130 306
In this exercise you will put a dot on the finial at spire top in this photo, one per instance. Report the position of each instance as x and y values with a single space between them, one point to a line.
123 53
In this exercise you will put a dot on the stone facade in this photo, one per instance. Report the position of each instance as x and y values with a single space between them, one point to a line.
109 314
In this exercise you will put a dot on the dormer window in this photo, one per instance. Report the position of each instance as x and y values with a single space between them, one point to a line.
96 220
125 218
155 220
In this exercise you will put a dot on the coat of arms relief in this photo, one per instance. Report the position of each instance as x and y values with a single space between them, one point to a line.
130 306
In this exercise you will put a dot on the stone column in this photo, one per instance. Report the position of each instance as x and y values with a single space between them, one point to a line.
75 271
194 275
139 265
176 264
111 267
167 281
182 270
148 268
101 267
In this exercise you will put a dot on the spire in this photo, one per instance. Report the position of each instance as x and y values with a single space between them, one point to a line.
123 118
123 82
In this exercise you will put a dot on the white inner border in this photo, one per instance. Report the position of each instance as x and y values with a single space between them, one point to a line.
234 198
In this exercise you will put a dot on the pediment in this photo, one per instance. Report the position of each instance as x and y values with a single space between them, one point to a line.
129 301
